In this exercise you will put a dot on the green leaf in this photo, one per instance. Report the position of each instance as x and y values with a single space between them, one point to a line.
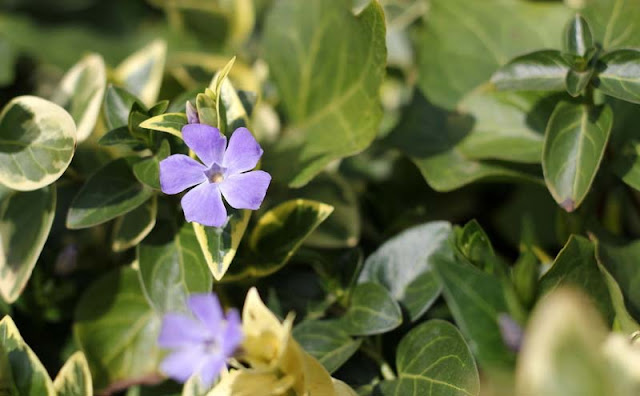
235 115
117 105
207 112
620 77
475 245
576 82
130 229
576 265
170 122
172 267
577 37
537 71
147 170
141 73
475 299
74 378
433 359
626 164
109 193
120 135
464 42
326 341
7 63
30 378
434 139
403 265
117 331
81 91
575 142
25 222
330 95
37 142
278 235
614 22
372 310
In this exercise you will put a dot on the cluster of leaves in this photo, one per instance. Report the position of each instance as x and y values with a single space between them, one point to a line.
379 119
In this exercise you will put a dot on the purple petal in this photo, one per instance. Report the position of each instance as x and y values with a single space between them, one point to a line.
206 141
245 190
206 308
192 113
179 172
183 363
232 335
180 330
211 370
204 205
243 152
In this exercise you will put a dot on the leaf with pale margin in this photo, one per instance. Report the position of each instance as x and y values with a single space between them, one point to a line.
403 266
461 33
372 310
326 341
117 106
81 91
74 378
330 90
109 193
537 71
172 267
37 142
434 360
574 145
117 330
170 123
615 23
25 222
141 73
620 76
29 376
130 229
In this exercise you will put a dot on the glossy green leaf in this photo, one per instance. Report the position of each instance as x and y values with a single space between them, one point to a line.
403 265
372 310
474 244
460 33
578 39
74 378
147 170
172 266
119 135
620 77
278 235
576 266
170 122
326 341
118 330
614 22
207 110
475 299
81 91
117 105
25 222
543 70
28 375
37 142
228 100
133 227
577 82
575 142
141 73
330 94
109 193
434 359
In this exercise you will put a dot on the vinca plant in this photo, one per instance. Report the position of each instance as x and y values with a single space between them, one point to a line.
320 198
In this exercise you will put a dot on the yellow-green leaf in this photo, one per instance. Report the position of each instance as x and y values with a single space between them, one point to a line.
74 378
141 73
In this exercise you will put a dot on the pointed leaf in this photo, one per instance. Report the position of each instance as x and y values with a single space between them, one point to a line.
538 71
74 378
117 106
575 142
371 310
577 37
170 122
141 73
119 135
130 229
614 22
576 82
147 170
37 142
621 75
326 341
229 102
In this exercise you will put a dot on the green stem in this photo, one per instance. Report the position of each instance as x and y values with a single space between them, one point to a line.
385 368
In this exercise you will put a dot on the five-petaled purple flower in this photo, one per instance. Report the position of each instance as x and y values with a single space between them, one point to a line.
224 173
201 344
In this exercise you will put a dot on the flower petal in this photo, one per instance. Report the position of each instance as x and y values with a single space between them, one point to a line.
179 172
245 190
206 307
204 205
211 369
181 364
179 330
232 335
243 152
206 141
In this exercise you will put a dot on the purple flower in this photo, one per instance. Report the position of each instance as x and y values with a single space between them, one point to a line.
224 174
201 343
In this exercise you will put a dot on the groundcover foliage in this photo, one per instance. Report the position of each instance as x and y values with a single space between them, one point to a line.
320 197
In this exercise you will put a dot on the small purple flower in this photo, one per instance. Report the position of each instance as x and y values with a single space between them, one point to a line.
224 174
201 343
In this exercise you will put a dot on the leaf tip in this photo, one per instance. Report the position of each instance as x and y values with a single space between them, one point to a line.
568 204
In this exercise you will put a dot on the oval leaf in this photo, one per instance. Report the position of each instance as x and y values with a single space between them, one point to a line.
372 310
117 106
620 77
575 142
74 378
141 73
170 122
538 71
37 142
326 341
133 227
